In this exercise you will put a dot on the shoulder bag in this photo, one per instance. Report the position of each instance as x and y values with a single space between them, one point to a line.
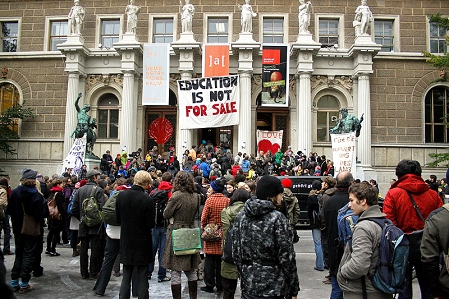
186 240
416 236
30 226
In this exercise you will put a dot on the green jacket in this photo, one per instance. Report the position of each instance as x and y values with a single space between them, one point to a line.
228 215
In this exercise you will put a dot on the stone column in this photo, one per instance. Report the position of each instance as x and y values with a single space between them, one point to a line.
304 113
129 113
244 129
184 136
363 107
70 111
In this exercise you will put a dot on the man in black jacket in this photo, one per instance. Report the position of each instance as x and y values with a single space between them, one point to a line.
25 199
336 202
90 234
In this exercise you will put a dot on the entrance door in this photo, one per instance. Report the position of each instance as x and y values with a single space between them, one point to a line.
217 136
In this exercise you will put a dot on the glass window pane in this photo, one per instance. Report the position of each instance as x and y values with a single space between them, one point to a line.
102 116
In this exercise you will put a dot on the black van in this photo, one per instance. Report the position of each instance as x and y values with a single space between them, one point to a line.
301 188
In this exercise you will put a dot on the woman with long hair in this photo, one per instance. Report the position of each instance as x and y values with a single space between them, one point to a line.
181 209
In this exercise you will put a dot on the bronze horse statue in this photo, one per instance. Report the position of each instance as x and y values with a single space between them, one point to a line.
85 126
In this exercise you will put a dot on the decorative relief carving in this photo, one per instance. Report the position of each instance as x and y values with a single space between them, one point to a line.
317 80
175 77
104 79
292 84
257 80
344 81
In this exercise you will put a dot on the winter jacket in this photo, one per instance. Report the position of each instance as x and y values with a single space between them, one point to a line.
135 213
292 206
361 259
245 165
435 241
183 208
77 211
263 251
211 214
33 202
205 168
57 194
399 208
3 202
313 208
228 215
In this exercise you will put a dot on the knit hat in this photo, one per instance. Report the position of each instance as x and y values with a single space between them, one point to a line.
151 169
316 184
287 183
28 174
217 185
268 187
330 181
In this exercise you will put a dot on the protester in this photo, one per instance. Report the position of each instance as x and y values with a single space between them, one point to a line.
313 211
265 261
55 226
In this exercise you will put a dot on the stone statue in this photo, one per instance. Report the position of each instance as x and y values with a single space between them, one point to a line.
247 16
132 11
363 17
305 9
347 123
76 18
187 12
85 125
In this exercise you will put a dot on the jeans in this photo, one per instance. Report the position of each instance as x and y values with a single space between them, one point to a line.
426 293
110 254
316 235
159 235
53 238
23 263
212 271
324 249
336 292
139 276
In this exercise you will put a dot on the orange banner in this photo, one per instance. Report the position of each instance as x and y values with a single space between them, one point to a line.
215 60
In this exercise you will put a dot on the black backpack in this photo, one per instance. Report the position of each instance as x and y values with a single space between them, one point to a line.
160 198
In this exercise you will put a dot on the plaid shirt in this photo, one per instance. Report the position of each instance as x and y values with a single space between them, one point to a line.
211 214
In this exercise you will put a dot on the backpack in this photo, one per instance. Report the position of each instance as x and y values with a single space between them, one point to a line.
160 198
108 210
346 221
72 200
227 248
390 274
53 212
92 213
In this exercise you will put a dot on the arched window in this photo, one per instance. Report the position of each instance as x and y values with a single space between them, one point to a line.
9 96
327 115
108 116
436 112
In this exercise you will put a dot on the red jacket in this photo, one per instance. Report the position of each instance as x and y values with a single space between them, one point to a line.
399 208
163 185
235 170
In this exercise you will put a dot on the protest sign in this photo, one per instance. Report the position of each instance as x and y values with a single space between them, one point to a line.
343 152
269 140
209 102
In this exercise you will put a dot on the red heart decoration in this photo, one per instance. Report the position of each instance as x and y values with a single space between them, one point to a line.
160 130
265 145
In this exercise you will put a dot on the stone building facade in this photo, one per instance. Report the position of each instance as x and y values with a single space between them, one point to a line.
382 75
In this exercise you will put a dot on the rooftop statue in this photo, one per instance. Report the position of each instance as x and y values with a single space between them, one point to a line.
76 18
247 16
363 16
305 9
347 123
132 11
85 126
187 12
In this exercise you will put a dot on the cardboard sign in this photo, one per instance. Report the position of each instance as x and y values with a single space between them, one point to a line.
209 102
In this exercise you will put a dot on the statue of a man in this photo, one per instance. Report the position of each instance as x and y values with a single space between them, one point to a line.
247 16
132 11
364 16
84 121
347 123
187 12
76 18
305 9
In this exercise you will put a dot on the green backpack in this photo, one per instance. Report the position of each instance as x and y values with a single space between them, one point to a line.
92 214
108 211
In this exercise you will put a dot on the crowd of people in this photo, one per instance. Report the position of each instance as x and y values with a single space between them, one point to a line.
243 196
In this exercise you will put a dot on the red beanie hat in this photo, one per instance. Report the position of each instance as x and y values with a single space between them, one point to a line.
287 183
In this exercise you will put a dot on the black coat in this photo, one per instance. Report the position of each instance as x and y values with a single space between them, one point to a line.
136 215
333 204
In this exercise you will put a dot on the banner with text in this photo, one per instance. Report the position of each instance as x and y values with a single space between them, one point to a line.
215 60
75 158
343 152
156 74
269 140
209 102
275 75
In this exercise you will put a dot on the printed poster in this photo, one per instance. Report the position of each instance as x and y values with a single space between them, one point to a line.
275 75
269 140
209 102
215 60
343 152
75 158
156 74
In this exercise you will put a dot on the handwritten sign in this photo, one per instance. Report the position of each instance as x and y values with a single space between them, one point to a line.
209 102
343 152
75 158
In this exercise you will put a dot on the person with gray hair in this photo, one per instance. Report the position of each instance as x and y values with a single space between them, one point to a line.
330 211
